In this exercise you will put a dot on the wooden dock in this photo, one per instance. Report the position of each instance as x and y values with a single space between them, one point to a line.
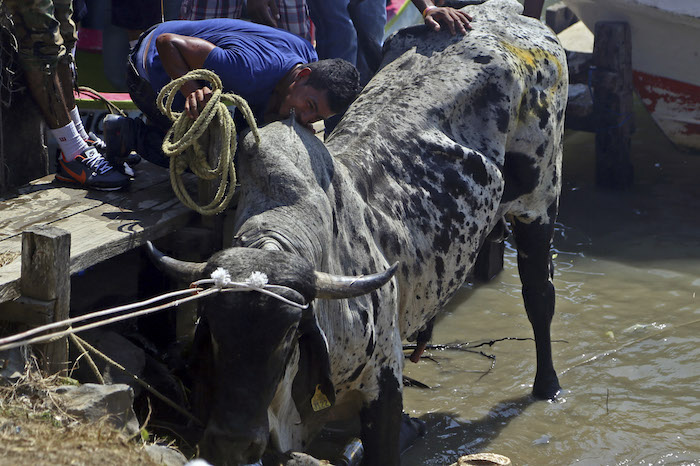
49 232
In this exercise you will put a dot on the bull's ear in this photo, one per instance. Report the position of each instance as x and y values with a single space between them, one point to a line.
312 389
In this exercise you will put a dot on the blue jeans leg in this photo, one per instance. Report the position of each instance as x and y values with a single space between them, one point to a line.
369 18
335 32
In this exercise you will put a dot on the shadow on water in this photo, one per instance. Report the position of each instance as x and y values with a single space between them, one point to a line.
445 430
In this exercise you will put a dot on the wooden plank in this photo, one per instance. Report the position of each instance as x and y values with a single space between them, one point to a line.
103 224
46 277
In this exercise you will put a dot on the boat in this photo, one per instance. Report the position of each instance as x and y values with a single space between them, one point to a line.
665 58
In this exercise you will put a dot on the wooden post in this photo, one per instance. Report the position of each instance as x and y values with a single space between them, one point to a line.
46 277
23 153
612 104
559 17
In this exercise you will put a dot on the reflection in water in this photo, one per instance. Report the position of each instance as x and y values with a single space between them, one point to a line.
454 437
628 306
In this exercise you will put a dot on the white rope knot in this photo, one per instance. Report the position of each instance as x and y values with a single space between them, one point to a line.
257 279
221 277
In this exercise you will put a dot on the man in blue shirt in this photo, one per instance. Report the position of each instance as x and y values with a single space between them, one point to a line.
275 71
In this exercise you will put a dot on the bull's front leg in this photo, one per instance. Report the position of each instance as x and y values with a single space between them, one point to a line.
535 267
381 422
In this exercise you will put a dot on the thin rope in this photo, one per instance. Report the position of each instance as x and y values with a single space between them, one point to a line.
222 282
83 352
95 95
92 315
138 380
63 333
187 141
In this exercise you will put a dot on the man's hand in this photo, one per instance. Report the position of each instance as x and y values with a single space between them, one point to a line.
196 101
264 12
455 20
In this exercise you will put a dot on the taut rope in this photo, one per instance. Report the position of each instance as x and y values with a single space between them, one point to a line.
188 145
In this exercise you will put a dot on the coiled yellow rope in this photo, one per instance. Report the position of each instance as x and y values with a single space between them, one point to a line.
189 142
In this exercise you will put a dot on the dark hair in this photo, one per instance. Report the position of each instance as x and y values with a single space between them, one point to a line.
337 76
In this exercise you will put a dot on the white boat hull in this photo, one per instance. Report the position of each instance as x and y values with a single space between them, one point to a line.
665 58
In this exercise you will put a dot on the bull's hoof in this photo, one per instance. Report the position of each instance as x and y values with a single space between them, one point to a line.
546 390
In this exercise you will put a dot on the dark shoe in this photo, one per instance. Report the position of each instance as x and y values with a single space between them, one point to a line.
120 137
125 168
132 158
90 170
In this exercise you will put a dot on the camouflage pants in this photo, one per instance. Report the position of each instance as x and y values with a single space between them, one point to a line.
45 31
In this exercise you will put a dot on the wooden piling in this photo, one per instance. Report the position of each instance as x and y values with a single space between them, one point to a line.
45 278
612 103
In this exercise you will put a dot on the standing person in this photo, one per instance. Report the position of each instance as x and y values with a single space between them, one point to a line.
290 15
275 71
46 34
354 30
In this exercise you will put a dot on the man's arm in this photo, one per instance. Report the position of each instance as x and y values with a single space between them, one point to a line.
455 20
179 55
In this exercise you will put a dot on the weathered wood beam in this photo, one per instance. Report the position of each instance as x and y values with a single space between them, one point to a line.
46 277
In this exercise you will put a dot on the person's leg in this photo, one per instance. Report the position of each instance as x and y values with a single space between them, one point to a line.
336 37
65 68
124 135
369 18
335 32
39 48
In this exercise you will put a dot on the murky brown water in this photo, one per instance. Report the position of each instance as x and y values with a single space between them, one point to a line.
628 295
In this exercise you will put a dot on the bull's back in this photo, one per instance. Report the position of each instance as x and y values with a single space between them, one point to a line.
426 142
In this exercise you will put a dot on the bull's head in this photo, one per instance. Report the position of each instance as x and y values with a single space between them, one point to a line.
248 338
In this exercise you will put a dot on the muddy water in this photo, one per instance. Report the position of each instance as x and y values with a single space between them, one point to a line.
628 306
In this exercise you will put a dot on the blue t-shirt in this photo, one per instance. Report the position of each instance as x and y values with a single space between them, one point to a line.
249 58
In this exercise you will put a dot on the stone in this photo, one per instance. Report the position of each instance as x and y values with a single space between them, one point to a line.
93 403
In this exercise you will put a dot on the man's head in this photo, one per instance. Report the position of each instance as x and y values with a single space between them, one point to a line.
320 90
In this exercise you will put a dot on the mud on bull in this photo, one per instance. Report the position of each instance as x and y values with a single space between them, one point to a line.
453 134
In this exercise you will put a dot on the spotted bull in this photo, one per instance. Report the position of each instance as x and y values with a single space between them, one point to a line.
453 134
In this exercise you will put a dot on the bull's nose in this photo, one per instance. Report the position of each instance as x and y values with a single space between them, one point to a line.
227 449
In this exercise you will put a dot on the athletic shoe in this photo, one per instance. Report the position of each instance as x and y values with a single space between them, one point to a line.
90 170
132 158
94 141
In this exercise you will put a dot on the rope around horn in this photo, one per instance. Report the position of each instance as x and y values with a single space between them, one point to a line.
186 141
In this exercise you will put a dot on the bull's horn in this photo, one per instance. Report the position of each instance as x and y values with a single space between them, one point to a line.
338 286
177 269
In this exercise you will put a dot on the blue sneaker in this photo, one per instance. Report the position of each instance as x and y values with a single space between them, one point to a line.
90 170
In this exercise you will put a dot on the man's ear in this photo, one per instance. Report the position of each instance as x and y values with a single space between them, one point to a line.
302 73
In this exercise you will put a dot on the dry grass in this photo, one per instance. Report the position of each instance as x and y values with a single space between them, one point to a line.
35 430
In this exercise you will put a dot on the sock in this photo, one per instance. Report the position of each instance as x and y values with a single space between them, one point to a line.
69 141
75 116
132 44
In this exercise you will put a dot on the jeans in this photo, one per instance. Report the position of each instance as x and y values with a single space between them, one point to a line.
352 30
148 135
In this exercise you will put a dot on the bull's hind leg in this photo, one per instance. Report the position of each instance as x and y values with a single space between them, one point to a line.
533 241
381 422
